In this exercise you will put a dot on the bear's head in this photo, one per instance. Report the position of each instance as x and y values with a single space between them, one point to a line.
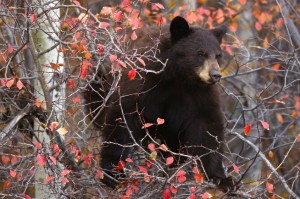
195 52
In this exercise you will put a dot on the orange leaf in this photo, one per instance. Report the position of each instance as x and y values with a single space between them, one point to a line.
10 83
233 26
206 195
199 177
5 159
276 66
270 154
19 85
76 100
169 160
279 117
38 103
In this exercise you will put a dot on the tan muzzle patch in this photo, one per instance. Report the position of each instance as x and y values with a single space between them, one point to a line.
209 72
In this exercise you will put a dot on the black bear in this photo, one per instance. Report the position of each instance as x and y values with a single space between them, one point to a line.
183 92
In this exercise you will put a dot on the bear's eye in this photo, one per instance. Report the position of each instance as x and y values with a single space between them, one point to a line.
218 56
201 53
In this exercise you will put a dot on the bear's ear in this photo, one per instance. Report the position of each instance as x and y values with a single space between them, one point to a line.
219 32
179 28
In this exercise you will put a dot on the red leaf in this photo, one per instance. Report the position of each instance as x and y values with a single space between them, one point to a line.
25 196
65 172
206 195
99 173
265 125
53 159
10 83
160 121
270 187
169 160
48 179
141 61
128 192
53 126
76 3
279 22
243 2
104 25
10 49
180 173
113 58
12 173
151 146
125 3
181 179
5 159
236 168
167 194
173 189
258 26
192 196
129 160
143 169
132 74
70 83
19 85
133 36
33 18
41 160
87 160
38 145
119 16
64 180
247 129
147 125
121 165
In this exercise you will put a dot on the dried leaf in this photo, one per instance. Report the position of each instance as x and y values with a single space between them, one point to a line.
76 3
99 174
62 131
133 36
141 61
163 147
147 125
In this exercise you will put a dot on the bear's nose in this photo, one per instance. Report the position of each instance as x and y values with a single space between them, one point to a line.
215 76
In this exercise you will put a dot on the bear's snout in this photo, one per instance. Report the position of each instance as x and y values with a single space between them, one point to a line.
215 76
